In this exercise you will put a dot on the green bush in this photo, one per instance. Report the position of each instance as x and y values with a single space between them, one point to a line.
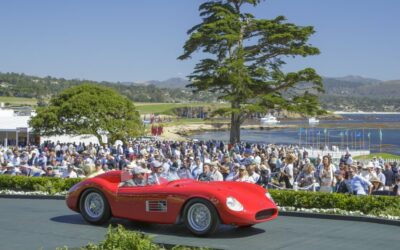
24 183
366 204
122 239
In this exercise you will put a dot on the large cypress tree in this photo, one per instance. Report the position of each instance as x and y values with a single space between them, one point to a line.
244 57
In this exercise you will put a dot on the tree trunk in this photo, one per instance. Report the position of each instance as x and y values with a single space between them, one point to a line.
235 125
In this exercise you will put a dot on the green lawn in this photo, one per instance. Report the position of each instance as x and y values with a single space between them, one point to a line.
383 155
18 100
166 108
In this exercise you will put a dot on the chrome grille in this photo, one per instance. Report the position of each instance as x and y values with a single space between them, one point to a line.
156 206
265 214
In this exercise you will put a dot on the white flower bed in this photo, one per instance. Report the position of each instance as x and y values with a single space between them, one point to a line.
12 192
338 212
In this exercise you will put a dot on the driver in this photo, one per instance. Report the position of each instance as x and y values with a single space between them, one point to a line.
157 173
138 178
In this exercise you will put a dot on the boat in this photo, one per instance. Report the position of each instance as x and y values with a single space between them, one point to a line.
269 119
313 120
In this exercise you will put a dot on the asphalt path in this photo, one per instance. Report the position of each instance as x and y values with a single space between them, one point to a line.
47 224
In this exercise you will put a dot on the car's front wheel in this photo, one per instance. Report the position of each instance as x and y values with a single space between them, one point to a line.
94 207
201 217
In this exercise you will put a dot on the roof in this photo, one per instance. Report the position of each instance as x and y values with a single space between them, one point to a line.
11 123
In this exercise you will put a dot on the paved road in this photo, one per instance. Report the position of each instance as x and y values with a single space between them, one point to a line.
33 224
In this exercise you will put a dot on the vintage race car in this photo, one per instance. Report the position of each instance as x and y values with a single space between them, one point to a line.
201 206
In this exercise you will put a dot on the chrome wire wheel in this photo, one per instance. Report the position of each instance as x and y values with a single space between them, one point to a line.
199 217
94 205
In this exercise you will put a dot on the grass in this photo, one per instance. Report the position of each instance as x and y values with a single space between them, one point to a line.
167 108
383 155
18 100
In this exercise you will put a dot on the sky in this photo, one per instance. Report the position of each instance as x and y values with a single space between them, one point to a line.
135 40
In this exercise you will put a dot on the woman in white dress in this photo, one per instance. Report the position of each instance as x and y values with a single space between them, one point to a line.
326 175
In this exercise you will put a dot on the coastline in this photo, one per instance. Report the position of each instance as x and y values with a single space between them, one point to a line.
181 132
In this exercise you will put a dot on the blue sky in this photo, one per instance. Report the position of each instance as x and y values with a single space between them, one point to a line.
140 40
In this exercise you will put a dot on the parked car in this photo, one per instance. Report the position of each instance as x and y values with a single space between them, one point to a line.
201 206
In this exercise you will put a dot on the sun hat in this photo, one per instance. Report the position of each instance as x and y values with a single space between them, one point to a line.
375 179
370 165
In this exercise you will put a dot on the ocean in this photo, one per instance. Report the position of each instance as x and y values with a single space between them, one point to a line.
381 135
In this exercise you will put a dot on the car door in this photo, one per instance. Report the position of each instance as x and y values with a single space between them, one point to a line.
148 203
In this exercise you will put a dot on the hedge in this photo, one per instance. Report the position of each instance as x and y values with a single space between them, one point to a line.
367 204
46 184
122 239
299 199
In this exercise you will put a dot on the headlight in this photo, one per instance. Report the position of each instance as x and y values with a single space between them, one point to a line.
269 197
233 204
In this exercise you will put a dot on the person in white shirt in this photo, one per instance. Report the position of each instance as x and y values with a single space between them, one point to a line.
215 173
326 175
243 175
380 175
368 171
287 171
252 174
234 174
70 173
196 168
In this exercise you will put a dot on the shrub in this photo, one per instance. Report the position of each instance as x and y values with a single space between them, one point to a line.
122 239
24 183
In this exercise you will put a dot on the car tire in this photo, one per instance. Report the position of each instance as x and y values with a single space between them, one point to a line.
94 207
201 217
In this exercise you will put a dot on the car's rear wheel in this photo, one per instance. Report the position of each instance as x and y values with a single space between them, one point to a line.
201 217
94 207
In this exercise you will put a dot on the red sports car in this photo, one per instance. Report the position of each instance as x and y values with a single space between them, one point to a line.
202 206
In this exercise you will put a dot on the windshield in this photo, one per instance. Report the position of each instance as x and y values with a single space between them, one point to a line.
129 179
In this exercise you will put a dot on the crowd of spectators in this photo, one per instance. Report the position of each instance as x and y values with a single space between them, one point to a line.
272 166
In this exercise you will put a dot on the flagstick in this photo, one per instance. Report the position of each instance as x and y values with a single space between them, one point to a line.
341 139
306 139
299 137
363 142
328 139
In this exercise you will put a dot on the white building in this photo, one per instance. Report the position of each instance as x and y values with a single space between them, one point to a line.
14 129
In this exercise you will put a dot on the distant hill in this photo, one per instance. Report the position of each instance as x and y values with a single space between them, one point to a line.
21 85
172 83
349 93
359 79
362 87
